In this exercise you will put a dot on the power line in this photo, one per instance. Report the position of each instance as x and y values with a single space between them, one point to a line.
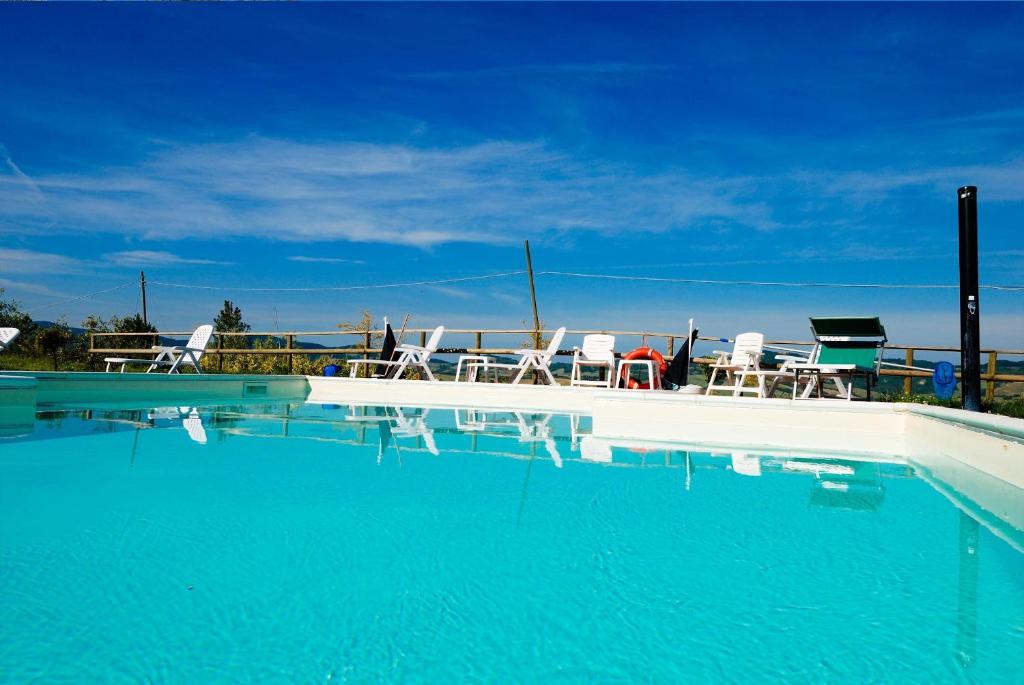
87 295
701 281
407 284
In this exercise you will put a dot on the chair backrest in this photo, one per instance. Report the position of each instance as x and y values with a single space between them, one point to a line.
747 349
200 339
435 339
556 340
599 347
856 340
865 354
7 336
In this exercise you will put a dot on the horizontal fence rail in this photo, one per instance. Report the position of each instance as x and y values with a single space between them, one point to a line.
365 347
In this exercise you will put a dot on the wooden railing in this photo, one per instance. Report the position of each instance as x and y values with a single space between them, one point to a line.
365 347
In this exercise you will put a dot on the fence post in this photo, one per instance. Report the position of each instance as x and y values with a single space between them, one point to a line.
290 340
671 347
220 355
479 341
423 339
908 382
990 387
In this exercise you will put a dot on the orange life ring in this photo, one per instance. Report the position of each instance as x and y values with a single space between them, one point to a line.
643 353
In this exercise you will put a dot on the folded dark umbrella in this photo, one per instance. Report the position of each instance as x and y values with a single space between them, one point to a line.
678 373
386 353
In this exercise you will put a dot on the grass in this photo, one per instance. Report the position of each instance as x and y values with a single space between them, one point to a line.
1013 407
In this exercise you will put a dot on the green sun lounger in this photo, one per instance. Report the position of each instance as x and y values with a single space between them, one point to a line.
846 348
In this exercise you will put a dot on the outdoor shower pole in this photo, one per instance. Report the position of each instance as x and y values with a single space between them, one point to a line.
970 354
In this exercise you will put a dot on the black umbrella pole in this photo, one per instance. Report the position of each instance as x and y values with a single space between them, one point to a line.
970 352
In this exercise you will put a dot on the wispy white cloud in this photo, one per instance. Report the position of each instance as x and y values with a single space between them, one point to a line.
459 293
492 192
324 260
29 287
153 258
20 261
534 71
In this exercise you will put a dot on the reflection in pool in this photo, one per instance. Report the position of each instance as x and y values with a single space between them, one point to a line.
297 542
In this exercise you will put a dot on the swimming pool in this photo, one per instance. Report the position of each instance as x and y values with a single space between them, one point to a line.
291 542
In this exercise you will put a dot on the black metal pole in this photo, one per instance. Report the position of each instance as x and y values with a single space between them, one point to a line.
970 352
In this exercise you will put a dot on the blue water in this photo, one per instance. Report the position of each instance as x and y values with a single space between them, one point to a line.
297 545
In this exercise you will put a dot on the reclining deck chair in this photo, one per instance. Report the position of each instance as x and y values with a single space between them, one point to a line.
536 360
598 352
406 355
744 361
845 348
173 357
7 336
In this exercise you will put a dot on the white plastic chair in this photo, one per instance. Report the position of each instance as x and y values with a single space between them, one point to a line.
745 360
537 360
7 336
173 357
406 355
598 352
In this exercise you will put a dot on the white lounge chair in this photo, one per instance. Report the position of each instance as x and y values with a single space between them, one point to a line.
744 361
7 336
406 356
536 360
598 352
173 357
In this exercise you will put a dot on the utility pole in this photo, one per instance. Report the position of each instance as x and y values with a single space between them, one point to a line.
142 284
533 298
970 354
533 303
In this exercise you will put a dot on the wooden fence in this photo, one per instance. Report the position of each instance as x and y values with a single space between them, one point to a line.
364 347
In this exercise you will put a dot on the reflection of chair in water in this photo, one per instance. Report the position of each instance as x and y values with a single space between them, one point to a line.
595 449
194 426
843 484
189 417
411 423
532 428
746 464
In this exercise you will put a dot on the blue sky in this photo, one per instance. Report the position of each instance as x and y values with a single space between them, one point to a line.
332 145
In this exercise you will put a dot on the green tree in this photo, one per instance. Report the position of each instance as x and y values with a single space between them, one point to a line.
229 320
12 315
54 341
130 324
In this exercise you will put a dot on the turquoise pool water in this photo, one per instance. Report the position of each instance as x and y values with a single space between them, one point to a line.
316 544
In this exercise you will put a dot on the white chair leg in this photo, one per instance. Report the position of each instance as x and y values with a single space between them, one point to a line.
551 377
